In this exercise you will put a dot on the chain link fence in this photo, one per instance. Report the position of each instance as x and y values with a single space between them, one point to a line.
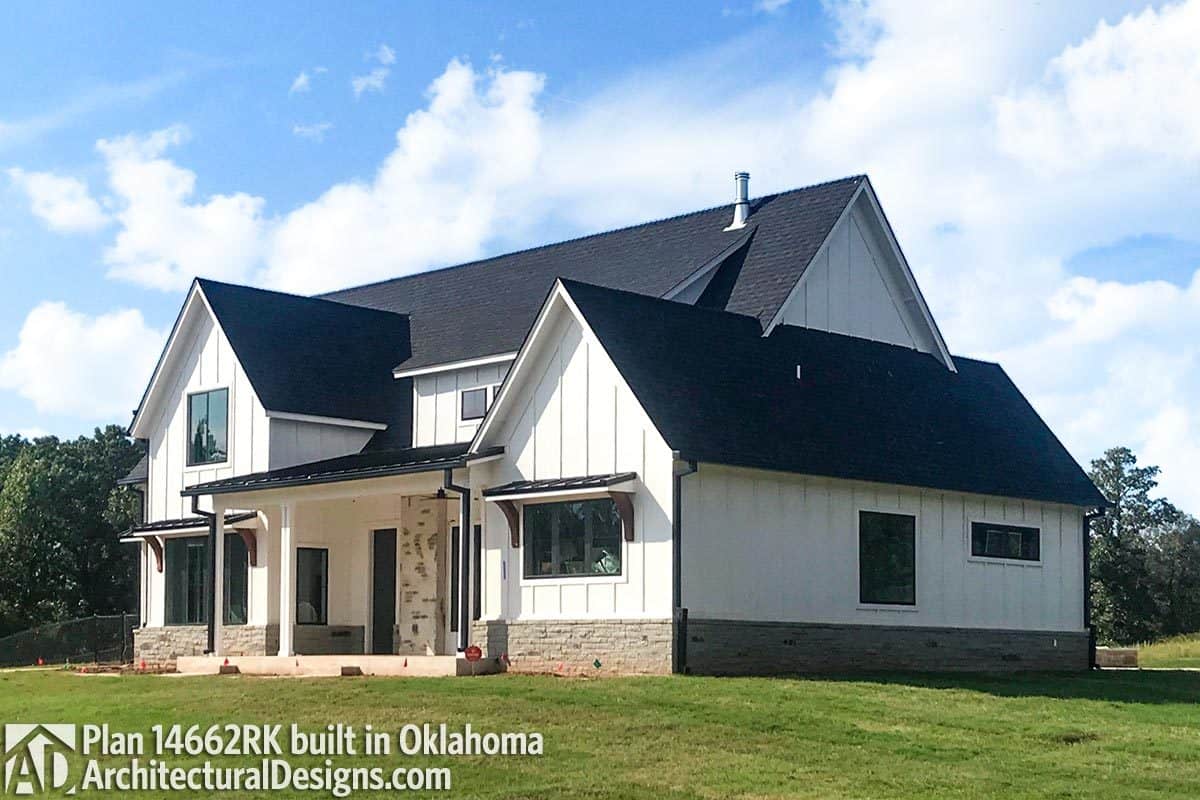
107 640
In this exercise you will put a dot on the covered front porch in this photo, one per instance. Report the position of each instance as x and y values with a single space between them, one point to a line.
347 564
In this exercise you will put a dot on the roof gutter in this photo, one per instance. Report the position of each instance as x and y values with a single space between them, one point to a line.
679 613
1088 518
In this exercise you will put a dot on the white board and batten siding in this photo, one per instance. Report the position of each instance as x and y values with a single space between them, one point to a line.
774 546
575 416
437 404
855 286
299 442
203 359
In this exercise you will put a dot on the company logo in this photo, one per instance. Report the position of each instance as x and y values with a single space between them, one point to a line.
35 758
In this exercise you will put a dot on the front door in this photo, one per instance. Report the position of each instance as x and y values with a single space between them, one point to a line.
383 592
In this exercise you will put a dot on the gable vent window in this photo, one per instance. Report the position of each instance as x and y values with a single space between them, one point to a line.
208 427
1012 542
474 404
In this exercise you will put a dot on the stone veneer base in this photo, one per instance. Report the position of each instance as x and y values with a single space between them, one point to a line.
622 646
735 647
160 647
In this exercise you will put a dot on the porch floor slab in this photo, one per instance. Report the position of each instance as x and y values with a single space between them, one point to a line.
338 665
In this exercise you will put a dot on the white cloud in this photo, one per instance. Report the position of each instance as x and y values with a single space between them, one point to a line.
66 362
301 84
315 132
385 55
371 82
63 203
770 6
452 182
166 236
1129 90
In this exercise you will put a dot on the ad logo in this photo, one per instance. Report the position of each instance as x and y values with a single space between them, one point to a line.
35 758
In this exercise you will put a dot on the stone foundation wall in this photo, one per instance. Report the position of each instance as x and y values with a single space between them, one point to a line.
622 646
730 647
324 640
159 647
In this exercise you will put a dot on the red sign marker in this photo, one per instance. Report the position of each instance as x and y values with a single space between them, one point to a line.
473 653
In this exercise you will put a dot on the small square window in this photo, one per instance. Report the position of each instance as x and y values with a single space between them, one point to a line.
474 404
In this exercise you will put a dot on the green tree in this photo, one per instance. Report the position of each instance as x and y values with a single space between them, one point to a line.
60 517
1132 587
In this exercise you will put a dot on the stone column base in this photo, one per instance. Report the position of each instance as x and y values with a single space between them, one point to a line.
160 647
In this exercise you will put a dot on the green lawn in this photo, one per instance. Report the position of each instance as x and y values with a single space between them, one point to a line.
1173 653
1111 734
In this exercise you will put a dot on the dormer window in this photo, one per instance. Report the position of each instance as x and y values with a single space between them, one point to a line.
208 427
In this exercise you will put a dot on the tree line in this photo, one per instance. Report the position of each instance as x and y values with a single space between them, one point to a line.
61 516
62 513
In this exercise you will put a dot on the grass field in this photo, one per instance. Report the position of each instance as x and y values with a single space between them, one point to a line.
1174 653
1111 734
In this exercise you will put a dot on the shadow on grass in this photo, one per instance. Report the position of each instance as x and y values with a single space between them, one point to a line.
1115 686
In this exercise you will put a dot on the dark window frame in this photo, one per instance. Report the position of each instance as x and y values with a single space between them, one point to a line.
588 545
1025 552
171 614
870 596
323 616
462 404
239 546
191 428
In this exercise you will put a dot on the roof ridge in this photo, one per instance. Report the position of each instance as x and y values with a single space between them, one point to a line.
690 307
598 234
202 282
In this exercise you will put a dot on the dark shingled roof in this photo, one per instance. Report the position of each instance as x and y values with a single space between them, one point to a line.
486 307
559 484
139 474
719 392
360 466
305 355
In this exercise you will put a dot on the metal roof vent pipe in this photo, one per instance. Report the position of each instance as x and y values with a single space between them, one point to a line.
741 200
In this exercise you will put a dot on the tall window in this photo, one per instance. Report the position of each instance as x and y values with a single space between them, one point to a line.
887 558
312 586
1006 541
187 562
572 539
208 427
237 577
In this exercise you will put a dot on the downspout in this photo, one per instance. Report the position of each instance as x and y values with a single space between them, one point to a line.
1087 583
680 614
212 572
464 559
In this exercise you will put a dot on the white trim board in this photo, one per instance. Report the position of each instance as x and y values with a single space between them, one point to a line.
345 423
451 366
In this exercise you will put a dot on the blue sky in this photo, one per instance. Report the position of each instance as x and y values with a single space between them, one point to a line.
1039 165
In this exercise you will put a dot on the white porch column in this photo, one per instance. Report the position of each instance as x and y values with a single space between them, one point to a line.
218 582
287 579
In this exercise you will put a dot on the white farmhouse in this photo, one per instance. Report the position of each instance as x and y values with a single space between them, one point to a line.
732 441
